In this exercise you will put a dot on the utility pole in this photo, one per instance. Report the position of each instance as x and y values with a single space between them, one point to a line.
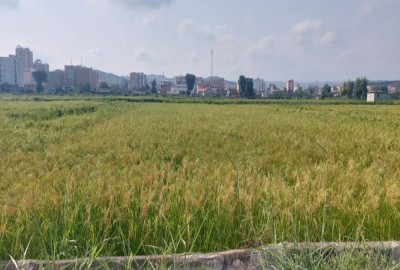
212 59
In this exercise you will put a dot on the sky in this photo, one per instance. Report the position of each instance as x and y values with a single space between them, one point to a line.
304 40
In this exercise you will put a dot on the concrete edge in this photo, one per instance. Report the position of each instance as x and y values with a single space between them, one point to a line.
255 258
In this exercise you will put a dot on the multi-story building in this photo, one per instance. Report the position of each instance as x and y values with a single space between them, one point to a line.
39 65
297 88
137 80
290 86
56 78
112 80
26 55
165 87
29 81
259 86
69 76
272 87
86 75
217 84
77 75
12 70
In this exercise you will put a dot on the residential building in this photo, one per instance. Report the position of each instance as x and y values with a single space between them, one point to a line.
77 75
297 88
137 80
86 75
69 76
165 87
180 80
29 81
376 96
12 70
25 54
179 85
202 89
216 83
392 89
290 86
259 87
112 80
39 65
56 78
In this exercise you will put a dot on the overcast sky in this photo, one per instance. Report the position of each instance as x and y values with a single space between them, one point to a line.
306 40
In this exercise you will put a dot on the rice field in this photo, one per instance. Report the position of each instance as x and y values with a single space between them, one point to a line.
108 177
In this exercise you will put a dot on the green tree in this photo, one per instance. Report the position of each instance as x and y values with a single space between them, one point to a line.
84 87
154 87
360 88
347 89
242 82
104 85
382 89
190 81
249 88
4 87
40 77
326 91
246 87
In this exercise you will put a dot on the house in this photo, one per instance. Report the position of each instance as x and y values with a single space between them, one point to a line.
377 96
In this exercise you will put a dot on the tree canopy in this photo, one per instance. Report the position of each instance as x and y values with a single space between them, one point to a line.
246 87
40 77
190 81
84 88
104 85
360 88
154 87
355 89
326 91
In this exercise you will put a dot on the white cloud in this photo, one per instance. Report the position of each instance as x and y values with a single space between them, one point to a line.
310 33
226 39
143 3
92 55
194 56
307 26
367 8
328 37
185 25
265 46
144 56
218 34
9 3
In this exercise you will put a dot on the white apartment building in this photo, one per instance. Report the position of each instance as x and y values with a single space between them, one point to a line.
26 55
259 86
12 70
39 65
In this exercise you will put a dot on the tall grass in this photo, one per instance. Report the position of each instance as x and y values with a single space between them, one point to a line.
120 178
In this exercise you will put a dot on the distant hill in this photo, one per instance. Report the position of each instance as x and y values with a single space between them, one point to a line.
385 83
158 78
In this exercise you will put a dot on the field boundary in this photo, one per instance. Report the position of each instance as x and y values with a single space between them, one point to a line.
266 257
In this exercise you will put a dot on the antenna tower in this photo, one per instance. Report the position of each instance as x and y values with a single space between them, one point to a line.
212 62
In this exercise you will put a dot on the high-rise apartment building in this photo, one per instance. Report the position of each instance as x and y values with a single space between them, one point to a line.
76 75
12 70
259 86
290 86
138 80
39 65
25 54
56 78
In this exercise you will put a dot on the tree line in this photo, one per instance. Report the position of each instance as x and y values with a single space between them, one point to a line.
355 89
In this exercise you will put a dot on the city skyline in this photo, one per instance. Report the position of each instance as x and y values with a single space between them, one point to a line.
305 41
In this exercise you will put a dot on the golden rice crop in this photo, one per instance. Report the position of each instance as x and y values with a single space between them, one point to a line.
134 177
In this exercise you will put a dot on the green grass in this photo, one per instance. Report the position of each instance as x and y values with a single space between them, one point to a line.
121 176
